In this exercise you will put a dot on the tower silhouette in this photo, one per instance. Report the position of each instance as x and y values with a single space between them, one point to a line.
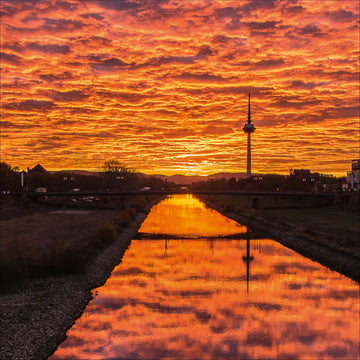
248 129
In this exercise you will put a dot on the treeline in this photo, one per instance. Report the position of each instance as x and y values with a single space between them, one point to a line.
113 176
273 182
9 178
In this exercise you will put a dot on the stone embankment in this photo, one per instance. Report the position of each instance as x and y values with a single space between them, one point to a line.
36 317
294 238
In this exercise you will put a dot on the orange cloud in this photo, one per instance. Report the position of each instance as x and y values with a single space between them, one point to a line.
168 79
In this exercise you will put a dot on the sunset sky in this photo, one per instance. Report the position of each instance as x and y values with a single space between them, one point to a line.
162 86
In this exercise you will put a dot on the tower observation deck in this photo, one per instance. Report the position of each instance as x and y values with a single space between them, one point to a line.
249 128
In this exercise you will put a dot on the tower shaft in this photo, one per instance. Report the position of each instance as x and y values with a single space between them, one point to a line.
248 162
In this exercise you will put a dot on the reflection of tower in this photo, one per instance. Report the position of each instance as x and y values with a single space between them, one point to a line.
212 245
166 246
248 129
247 259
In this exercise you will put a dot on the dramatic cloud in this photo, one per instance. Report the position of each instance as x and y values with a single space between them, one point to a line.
10 59
66 75
30 105
162 85
50 48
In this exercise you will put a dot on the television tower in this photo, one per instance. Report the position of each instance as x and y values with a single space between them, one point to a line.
248 129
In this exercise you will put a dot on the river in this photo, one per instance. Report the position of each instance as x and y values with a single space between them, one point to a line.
196 285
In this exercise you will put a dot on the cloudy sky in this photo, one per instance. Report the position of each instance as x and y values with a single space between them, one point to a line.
162 86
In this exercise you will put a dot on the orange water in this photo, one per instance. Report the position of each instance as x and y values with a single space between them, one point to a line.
186 215
215 299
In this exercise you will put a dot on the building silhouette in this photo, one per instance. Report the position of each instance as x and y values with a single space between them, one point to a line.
38 169
248 128
353 176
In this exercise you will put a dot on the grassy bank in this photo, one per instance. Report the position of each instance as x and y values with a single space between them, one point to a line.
42 240
329 224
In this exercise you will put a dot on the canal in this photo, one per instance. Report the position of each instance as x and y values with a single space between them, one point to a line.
195 285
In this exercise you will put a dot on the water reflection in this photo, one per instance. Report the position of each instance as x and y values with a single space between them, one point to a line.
184 215
217 299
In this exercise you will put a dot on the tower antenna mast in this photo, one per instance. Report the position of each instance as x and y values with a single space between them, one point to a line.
248 128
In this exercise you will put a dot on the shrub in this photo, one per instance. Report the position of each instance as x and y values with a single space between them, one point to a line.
139 204
132 212
18 259
118 228
123 219
66 257
229 208
107 232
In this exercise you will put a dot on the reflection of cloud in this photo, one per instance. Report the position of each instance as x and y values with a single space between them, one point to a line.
265 306
343 294
259 338
336 352
308 339
168 309
203 316
188 293
132 271
284 268
138 282
229 349
74 341
170 317
97 325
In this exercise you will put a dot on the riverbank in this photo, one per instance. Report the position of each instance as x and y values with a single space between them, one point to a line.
318 246
36 316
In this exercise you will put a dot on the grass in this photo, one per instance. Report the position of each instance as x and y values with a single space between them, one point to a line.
342 226
39 243
329 219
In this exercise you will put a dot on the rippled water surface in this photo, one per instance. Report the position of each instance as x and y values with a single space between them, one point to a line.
213 298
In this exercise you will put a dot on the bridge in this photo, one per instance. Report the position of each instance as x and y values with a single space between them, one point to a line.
258 198
33 194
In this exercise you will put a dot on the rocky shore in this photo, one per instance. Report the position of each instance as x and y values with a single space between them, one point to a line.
36 316
311 246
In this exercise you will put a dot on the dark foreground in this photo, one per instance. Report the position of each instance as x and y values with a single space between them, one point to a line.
35 318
